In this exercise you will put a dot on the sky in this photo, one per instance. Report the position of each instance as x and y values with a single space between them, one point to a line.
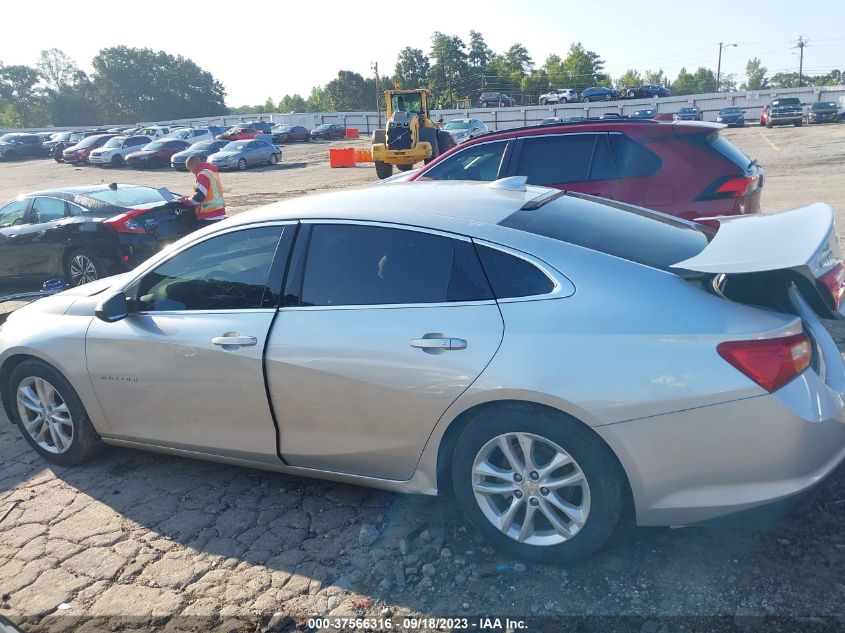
270 49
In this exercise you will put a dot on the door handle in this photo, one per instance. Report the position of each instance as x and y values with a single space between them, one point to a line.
438 343
234 341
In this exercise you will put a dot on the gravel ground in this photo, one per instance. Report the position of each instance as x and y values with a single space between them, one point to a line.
134 541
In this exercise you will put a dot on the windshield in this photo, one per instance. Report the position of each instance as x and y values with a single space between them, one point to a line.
117 141
406 102
8 137
155 146
131 196
688 110
457 125
791 101
90 141
730 111
282 128
203 145
76 137
825 105
324 126
234 146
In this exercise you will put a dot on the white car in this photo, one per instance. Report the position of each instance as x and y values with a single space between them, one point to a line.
561 95
192 135
464 129
116 149
154 131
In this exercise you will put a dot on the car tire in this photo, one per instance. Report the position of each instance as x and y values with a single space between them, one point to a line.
273 159
35 389
586 510
798 123
608 97
542 101
383 170
484 104
563 100
83 267
9 156
242 164
116 161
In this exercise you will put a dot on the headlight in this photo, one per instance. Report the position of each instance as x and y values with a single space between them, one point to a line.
719 119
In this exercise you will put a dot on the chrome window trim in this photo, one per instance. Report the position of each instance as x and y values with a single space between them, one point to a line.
214 311
563 287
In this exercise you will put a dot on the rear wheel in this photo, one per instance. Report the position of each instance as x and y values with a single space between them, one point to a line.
383 170
273 159
538 486
83 267
50 414
608 97
242 164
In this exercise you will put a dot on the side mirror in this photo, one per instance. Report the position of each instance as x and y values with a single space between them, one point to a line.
113 308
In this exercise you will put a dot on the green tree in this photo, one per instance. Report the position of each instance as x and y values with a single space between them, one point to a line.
517 60
656 78
57 69
582 68
293 103
348 93
755 74
684 84
784 80
412 68
630 79
20 98
705 81
727 83
479 53
139 84
449 74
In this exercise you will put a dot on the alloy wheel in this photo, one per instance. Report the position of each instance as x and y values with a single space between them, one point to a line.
82 270
530 489
45 415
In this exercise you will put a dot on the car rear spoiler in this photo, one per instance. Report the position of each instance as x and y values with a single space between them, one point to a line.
762 242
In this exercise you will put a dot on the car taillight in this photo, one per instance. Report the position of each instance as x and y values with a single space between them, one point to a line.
834 281
730 188
771 363
124 223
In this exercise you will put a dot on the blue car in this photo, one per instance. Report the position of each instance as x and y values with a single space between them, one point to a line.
648 91
599 93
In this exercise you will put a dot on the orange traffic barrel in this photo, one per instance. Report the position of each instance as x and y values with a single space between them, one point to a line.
351 132
342 157
363 156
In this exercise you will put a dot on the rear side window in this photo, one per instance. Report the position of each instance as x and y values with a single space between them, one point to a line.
512 276
476 162
633 159
553 160
369 265
625 231
727 149
602 166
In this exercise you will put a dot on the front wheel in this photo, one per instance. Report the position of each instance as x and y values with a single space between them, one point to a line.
83 267
542 487
608 97
383 170
50 415
117 161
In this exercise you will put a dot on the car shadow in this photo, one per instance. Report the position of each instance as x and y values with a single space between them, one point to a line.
282 166
346 546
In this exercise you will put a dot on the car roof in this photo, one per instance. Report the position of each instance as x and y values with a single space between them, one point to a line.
436 205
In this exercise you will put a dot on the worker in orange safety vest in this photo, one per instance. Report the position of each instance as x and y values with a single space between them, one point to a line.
207 200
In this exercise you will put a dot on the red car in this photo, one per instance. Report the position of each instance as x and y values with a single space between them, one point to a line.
79 153
239 134
684 169
156 154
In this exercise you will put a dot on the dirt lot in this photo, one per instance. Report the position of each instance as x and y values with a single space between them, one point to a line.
137 541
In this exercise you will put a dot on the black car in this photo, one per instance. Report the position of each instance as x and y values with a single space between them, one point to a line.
202 149
613 116
501 99
84 233
265 127
14 146
553 120
732 117
646 113
599 93
688 114
288 133
647 92
328 131
823 112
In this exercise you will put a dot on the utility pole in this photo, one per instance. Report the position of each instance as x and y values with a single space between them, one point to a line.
719 66
801 44
374 66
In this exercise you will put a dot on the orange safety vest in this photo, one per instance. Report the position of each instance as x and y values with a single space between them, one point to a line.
213 206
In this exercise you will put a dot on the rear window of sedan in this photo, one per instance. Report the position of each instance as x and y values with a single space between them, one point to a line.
633 233
131 196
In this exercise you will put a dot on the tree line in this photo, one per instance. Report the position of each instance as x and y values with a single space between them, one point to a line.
129 85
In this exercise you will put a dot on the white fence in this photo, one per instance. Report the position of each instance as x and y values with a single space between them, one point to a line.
505 118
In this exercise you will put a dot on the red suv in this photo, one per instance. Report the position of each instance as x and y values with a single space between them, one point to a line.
239 134
685 169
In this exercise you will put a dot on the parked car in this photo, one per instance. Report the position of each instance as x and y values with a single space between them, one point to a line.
685 169
79 153
513 389
192 135
823 112
647 92
19 145
328 131
264 127
116 149
559 95
732 117
156 154
244 154
85 233
238 133
464 129
153 131
552 120
645 113
783 111
613 116
689 114
216 130
599 93
287 133
203 149
501 99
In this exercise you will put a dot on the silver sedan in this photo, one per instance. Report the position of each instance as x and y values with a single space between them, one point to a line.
557 362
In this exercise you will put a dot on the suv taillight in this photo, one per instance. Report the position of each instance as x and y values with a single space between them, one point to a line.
771 363
124 223
834 281
730 188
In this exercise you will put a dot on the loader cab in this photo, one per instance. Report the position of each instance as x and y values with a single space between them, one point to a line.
410 101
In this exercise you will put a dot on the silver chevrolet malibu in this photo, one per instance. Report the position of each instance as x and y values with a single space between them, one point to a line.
560 363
